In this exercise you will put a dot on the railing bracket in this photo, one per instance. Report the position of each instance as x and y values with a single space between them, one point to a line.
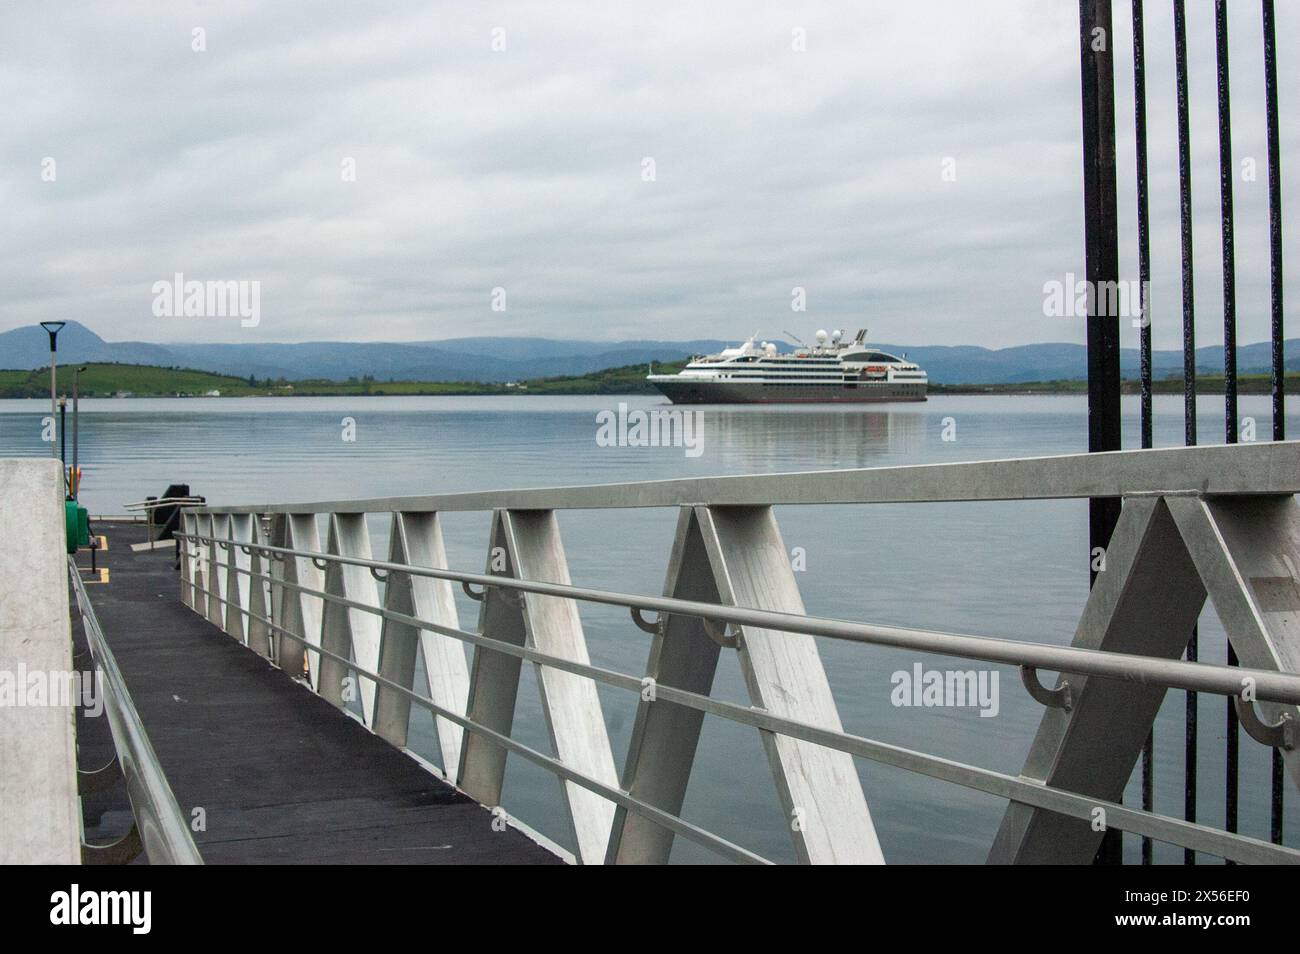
476 597
1276 735
378 574
645 624
121 852
718 633
1059 698
320 564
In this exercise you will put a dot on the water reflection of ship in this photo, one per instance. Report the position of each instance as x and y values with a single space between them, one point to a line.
814 438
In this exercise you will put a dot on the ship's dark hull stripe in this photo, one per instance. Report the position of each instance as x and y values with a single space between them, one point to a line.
734 392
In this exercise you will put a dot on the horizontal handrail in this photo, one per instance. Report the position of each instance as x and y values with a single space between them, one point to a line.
1265 468
161 502
159 821
1229 845
1269 686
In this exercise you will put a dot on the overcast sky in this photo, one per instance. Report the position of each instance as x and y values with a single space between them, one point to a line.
524 168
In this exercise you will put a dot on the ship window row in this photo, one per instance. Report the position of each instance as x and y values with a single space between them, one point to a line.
794 371
874 356
802 373
819 362
804 384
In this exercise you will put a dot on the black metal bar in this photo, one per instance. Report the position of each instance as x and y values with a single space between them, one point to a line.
1229 347
1189 749
63 441
1148 789
1226 172
1143 216
1101 244
1278 377
1144 325
1274 222
1276 799
1189 370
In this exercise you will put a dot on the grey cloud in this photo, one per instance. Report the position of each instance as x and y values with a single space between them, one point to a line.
522 169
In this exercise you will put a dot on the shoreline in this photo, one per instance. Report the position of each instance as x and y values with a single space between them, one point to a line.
108 380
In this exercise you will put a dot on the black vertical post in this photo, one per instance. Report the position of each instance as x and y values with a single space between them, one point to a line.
1189 370
1101 265
63 439
1144 328
1226 173
1143 218
1278 382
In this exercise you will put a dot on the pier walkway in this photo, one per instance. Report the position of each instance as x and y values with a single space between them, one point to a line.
265 686
282 775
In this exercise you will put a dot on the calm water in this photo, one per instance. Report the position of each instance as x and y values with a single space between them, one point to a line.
1015 570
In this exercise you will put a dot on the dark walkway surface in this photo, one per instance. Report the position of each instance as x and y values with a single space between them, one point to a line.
283 776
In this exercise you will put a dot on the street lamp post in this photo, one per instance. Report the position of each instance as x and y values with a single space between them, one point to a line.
74 477
52 328
63 438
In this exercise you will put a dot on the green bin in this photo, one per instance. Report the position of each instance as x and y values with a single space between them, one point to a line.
77 525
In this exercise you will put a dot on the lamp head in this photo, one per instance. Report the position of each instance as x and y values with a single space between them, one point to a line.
52 328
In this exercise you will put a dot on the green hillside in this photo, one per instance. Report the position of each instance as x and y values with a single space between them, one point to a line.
106 380
629 379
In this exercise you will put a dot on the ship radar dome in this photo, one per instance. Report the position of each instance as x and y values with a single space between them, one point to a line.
821 335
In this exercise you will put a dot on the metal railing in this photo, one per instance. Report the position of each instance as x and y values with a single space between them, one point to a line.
168 506
155 503
1269 686
261 584
159 823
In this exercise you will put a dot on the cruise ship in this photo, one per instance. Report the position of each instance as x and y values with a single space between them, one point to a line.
831 371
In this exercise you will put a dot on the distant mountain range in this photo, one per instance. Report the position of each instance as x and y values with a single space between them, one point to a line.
510 359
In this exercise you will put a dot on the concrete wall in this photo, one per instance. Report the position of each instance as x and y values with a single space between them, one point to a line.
40 817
